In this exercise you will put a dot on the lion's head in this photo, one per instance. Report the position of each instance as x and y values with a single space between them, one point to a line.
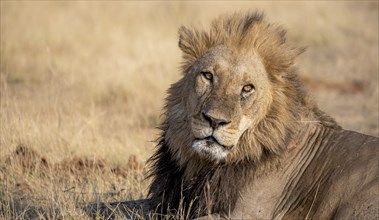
234 91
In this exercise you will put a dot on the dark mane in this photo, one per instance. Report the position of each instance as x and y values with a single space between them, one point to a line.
216 187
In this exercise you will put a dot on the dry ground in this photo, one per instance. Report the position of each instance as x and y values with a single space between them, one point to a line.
82 85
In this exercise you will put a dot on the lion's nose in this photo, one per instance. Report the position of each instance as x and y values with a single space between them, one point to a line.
215 122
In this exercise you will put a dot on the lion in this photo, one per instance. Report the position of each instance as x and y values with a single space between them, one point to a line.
242 139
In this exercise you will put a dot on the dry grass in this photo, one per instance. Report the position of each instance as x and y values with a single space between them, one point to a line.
82 85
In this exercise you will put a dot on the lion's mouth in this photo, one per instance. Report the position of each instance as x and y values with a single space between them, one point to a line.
210 148
210 141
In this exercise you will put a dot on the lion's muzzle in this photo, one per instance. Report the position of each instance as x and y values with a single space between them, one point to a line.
215 136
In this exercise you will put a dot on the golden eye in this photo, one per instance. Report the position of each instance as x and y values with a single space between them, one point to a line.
248 88
207 75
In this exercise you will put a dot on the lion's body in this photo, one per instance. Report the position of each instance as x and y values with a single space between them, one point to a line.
330 173
241 138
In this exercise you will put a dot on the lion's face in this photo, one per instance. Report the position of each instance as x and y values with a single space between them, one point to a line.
229 94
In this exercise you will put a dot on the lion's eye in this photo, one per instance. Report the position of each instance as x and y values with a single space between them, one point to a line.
247 88
207 75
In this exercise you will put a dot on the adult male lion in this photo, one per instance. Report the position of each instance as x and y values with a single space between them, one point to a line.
241 138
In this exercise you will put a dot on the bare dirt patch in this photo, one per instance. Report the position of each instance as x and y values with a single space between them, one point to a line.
20 192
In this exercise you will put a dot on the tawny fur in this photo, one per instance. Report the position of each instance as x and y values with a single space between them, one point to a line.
183 180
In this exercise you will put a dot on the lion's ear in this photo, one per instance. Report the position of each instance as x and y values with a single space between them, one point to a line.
191 44
277 55
281 60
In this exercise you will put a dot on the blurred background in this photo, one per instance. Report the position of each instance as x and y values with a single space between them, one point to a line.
88 78
82 85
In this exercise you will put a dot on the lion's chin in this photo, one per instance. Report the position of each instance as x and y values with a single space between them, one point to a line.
210 149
